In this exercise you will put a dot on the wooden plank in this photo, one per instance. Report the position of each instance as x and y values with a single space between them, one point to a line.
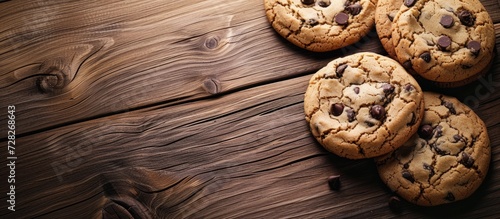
243 154
86 60
70 61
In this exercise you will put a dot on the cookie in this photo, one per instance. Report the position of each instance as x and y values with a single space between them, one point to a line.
445 161
384 16
442 40
363 105
321 25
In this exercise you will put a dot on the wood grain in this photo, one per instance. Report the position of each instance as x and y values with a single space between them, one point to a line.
188 109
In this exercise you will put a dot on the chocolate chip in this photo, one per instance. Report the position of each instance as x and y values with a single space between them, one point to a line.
450 107
354 9
407 175
425 131
457 138
388 88
369 124
312 21
391 17
446 21
337 109
429 168
409 3
413 120
467 160
426 56
356 90
307 2
439 131
395 203
444 42
407 65
409 87
324 4
466 17
377 112
334 182
466 66
474 47
342 18
406 165
350 115
450 197
438 150
340 70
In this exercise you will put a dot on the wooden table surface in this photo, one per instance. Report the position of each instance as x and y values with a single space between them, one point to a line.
186 109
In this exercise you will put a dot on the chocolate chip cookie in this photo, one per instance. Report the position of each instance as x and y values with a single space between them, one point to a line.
321 25
445 161
363 105
442 40
384 16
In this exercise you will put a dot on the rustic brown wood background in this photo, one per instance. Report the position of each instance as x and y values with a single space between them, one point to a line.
186 109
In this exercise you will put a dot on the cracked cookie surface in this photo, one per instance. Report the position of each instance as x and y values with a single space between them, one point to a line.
445 161
442 40
384 16
321 25
363 105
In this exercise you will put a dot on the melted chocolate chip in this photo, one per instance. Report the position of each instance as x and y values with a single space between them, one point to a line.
407 175
444 42
356 90
438 150
450 197
390 17
407 65
406 165
426 56
324 4
450 107
312 21
334 182
429 168
350 115
340 70
466 66
341 18
409 3
446 21
369 124
439 131
474 47
457 138
409 87
466 17
413 120
337 109
354 9
467 160
377 112
307 2
425 131
388 88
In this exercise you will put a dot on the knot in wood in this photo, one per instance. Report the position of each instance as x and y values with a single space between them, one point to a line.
212 42
212 85
52 80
